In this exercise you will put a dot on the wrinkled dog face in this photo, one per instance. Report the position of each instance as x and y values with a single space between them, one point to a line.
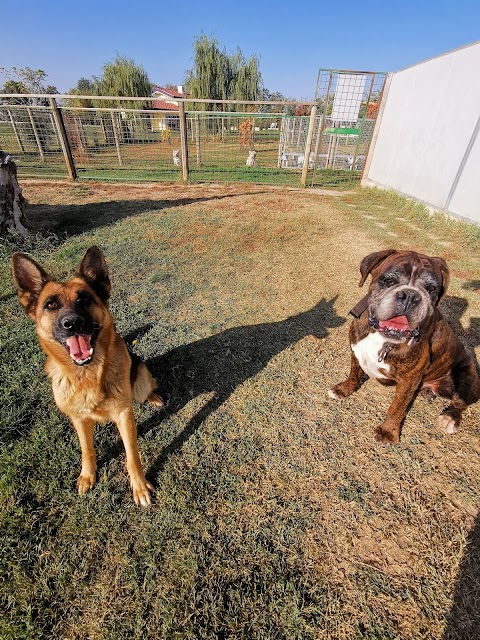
405 288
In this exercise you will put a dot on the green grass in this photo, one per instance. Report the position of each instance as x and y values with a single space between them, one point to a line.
275 516
330 178
221 161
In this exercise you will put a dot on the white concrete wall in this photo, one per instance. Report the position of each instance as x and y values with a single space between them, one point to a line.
427 141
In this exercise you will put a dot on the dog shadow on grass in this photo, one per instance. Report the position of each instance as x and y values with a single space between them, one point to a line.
472 285
463 620
222 362
453 308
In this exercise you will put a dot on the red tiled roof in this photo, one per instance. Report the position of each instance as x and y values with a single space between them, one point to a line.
165 106
169 92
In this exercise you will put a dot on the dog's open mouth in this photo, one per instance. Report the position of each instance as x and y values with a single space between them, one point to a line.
80 349
397 327
399 323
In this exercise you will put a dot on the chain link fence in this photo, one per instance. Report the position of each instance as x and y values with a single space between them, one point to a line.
316 147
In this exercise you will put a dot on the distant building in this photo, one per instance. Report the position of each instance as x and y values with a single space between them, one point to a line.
167 105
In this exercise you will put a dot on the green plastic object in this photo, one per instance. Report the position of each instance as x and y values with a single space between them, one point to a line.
344 131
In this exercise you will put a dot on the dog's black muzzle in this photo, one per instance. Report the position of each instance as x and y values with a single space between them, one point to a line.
77 332
71 323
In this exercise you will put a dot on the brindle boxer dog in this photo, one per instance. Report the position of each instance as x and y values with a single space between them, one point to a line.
400 337
94 377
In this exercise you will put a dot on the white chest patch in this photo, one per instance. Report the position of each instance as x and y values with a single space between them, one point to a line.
367 352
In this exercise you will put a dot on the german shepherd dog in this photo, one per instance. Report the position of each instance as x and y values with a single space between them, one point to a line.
94 377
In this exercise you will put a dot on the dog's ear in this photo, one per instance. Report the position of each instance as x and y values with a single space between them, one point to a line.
445 271
370 262
29 279
93 269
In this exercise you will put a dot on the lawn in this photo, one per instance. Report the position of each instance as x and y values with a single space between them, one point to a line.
150 159
275 514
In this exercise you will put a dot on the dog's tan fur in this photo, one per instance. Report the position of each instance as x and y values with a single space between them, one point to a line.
102 390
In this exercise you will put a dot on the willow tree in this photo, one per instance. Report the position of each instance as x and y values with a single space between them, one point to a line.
220 76
247 80
122 78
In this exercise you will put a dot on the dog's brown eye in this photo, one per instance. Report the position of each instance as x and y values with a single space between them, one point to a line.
51 305
389 282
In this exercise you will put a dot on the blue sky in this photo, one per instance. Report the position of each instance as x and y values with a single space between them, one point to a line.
292 39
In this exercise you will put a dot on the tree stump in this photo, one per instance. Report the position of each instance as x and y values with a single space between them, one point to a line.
12 202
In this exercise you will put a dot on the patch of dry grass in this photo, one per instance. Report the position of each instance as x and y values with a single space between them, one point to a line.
275 516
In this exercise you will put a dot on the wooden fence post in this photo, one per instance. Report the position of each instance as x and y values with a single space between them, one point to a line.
183 139
308 144
62 135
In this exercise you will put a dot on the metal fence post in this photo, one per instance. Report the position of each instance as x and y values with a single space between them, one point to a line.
115 137
362 125
183 139
62 135
378 123
321 126
308 144
197 139
35 133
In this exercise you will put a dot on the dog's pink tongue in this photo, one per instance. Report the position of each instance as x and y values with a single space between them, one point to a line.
399 322
79 347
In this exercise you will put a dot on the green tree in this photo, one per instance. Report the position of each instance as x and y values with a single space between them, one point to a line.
219 76
85 87
14 86
122 77
275 96
25 80
246 78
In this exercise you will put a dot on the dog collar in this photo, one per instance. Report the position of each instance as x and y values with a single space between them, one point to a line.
360 307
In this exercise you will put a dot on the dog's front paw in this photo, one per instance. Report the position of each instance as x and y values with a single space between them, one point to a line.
141 492
85 482
156 400
447 423
387 436
428 394
340 391
450 419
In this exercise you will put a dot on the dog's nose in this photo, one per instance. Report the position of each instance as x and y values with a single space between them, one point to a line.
72 323
408 298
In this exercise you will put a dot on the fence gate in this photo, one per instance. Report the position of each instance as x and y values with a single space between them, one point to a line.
348 104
